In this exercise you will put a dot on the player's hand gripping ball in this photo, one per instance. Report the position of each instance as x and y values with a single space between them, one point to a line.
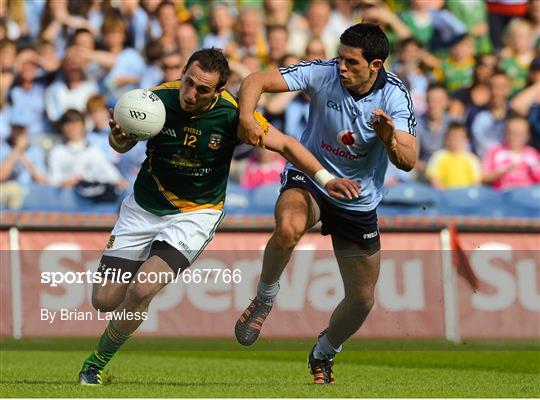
140 113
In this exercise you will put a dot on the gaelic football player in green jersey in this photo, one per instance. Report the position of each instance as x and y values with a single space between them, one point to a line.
178 196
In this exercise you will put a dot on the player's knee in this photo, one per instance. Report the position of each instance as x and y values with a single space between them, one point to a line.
287 235
362 303
139 294
102 302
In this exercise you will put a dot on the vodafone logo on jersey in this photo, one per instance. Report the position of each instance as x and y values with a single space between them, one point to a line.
340 152
347 138
344 139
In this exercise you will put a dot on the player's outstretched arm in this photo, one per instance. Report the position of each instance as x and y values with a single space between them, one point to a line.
298 155
118 140
250 92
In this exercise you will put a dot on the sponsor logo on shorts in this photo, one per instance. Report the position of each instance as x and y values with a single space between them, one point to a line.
299 178
371 235
110 243
102 267
184 246
216 141
340 152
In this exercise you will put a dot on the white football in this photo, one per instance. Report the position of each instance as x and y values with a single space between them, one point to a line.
140 113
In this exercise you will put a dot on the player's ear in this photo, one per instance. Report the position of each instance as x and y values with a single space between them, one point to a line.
219 90
376 65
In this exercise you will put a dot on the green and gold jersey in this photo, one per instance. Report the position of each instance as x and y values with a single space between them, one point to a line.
455 75
187 163
516 71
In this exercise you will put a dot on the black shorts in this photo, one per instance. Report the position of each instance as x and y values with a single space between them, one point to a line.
358 227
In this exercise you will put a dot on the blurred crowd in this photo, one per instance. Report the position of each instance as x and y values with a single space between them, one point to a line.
472 67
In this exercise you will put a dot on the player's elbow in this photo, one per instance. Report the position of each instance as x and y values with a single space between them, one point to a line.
407 165
252 80
406 161
263 82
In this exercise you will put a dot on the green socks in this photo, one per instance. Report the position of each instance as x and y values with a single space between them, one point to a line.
109 343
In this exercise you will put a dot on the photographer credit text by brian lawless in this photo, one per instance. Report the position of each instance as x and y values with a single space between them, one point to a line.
66 314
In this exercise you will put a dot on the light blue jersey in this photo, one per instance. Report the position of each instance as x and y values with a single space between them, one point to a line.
334 111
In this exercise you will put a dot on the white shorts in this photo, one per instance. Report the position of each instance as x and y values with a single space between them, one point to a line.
136 229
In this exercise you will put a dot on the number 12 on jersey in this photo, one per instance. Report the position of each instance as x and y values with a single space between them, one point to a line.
190 140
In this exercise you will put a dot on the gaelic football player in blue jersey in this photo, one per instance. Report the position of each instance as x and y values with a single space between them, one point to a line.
360 117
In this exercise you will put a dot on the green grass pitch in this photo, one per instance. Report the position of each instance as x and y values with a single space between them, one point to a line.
274 368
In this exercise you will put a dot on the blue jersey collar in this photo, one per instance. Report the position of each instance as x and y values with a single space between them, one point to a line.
379 83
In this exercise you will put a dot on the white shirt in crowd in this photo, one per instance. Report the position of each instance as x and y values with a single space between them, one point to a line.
69 160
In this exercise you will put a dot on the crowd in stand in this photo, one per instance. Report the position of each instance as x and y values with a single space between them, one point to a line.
472 67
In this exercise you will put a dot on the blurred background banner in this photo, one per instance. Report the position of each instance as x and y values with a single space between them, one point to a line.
411 298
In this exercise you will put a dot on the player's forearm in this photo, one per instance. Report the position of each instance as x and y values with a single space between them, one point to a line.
300 157
248 96
401 155
121 145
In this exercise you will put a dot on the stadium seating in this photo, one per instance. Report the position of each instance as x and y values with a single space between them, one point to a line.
263 198
476 200
410 199
403 199
522 202
237 199
45 198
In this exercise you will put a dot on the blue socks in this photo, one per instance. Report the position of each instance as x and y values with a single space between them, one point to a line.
324 350
267 293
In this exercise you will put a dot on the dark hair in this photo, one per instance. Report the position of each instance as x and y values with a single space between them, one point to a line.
276 27
456 125
153 50
163 4
497 71
535 64
369 38
282 60
6 43
79 32
435 86
212 60
515 117
71 115
408 41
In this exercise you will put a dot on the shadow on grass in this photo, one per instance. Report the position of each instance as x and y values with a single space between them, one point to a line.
118 383
186 344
